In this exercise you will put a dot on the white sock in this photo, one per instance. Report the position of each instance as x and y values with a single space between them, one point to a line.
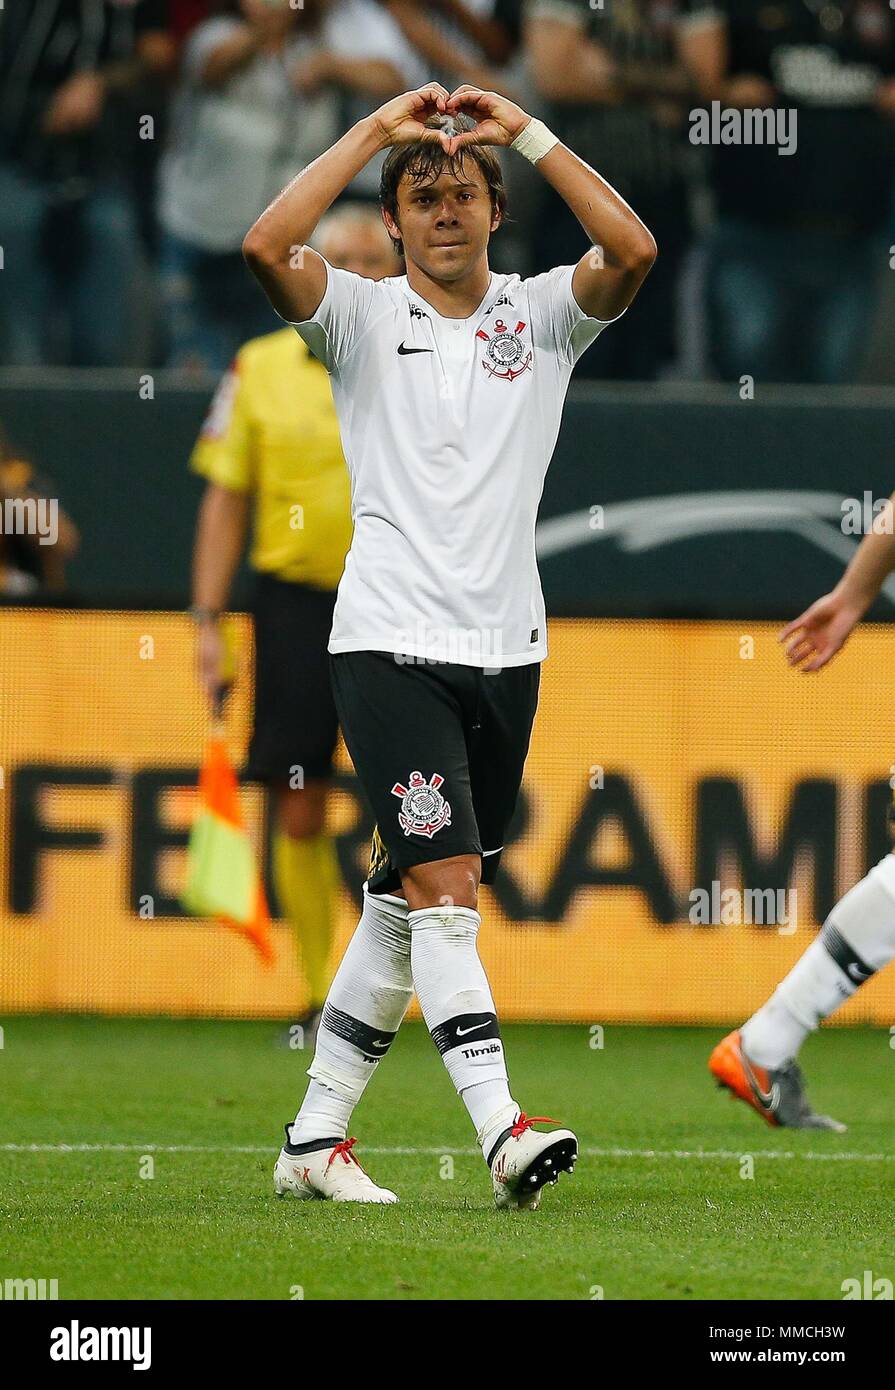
857 939
456 1002
366 1002
490 1112
773 1035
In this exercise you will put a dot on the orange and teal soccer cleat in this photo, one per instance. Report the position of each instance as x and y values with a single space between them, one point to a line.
778 1094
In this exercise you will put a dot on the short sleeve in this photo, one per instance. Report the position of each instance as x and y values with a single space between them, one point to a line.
341 319
569 328
223 451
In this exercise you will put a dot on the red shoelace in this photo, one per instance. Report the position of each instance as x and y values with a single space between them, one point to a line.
525 1122
345 1150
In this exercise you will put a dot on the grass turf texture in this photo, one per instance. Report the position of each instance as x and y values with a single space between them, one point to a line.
208 1226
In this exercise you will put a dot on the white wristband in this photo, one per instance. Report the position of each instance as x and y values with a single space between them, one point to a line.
534 140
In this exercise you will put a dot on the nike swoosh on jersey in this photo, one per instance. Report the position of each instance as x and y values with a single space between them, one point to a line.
461 1032
406 351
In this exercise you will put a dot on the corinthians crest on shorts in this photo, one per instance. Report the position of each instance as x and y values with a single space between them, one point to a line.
506 355
423 808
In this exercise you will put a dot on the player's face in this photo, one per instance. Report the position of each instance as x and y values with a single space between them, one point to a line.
445 224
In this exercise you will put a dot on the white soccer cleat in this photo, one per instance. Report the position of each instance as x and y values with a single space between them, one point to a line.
332 1173
522 1162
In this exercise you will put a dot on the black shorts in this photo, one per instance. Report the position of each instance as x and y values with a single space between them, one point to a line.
439 750
295 724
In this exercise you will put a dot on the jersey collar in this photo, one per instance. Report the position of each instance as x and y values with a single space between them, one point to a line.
494 284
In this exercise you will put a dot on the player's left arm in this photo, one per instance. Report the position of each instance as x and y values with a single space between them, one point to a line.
623 250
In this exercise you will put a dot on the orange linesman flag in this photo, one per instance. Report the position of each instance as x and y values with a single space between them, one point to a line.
222 876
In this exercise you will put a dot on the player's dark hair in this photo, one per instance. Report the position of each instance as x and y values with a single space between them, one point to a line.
425 160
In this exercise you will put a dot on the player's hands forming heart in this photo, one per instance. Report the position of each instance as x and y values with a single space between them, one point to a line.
498 120
401 121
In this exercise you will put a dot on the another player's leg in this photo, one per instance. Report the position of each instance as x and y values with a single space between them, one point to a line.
292 749
459 1011
758 1062
306 877
363 1011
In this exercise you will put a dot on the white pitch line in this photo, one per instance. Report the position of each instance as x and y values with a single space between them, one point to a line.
738 1154
268 1149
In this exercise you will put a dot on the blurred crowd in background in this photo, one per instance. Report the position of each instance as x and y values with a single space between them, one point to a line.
139 139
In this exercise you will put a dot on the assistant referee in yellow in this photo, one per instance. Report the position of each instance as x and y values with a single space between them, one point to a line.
270 449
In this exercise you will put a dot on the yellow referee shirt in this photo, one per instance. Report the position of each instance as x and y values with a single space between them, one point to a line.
272 431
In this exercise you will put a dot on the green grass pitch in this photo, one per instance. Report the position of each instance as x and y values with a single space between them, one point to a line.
658 1207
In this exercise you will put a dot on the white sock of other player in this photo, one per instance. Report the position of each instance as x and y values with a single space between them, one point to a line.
857 939
366 1002
456 1001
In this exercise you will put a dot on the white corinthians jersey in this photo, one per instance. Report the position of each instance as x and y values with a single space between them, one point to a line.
447 426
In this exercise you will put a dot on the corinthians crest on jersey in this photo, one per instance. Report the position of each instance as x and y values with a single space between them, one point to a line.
506 354
424 810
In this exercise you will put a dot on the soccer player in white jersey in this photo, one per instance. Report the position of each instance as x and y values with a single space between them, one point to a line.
758 1062
449 383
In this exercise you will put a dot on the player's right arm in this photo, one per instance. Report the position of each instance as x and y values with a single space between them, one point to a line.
291 274
821 631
